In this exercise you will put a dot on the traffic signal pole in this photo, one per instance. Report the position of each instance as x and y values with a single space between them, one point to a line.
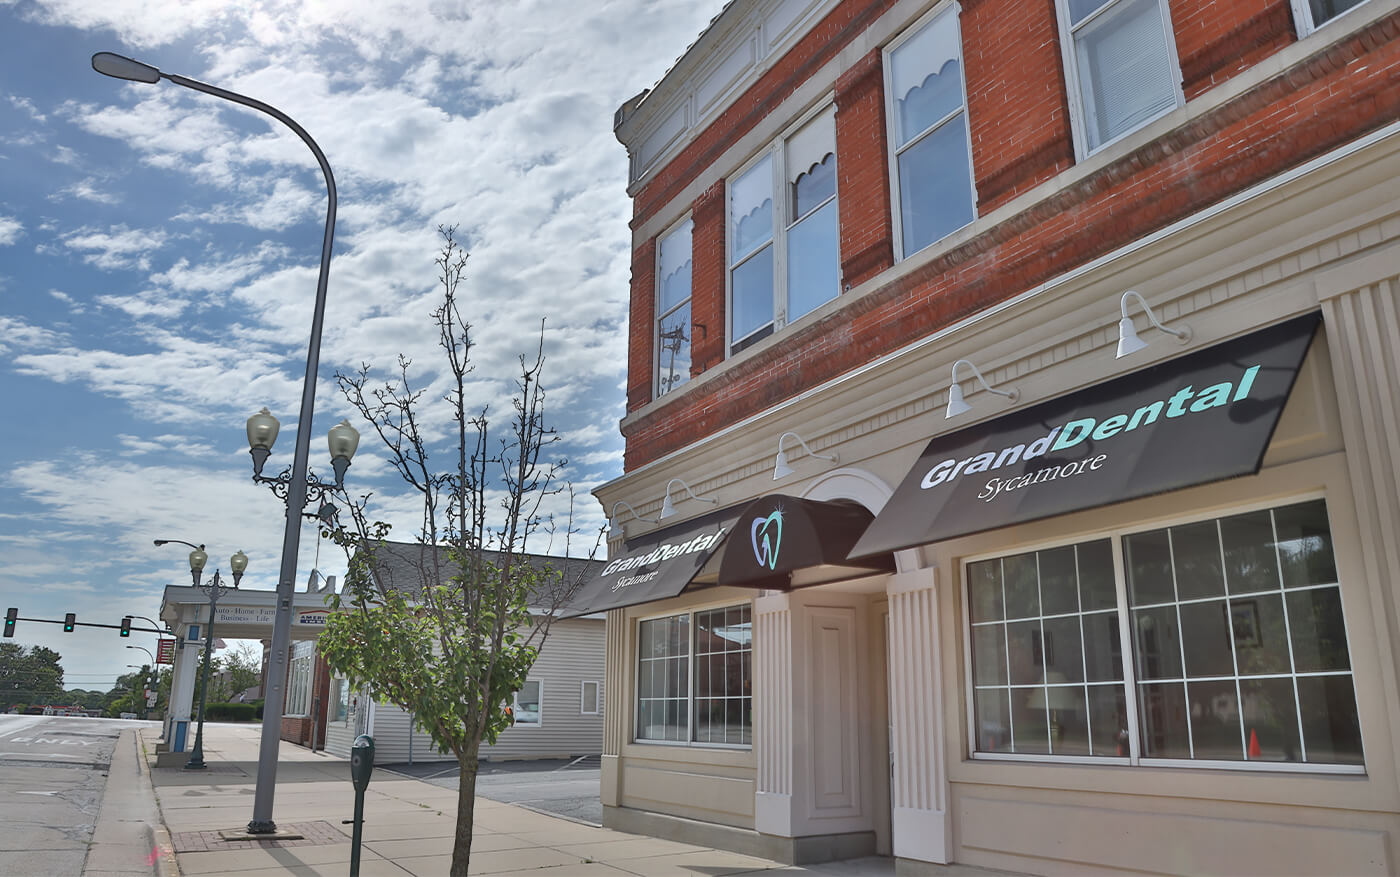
124 626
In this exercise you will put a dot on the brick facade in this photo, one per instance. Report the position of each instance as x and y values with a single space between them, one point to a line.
1019 126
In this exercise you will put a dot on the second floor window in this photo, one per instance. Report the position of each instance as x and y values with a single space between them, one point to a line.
673 262
1121 65
928 129
784 248
1312 14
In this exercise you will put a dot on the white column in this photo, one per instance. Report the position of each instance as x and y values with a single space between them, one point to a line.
1361 311
188 651
617 701
773 719
922 828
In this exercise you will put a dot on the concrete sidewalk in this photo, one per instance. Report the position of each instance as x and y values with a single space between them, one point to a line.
408 826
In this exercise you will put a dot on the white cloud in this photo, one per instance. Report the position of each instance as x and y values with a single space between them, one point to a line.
117 247
26 106
10 230
86 190
16 334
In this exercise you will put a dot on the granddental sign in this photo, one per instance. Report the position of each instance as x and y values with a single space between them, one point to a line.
1202 417
648 563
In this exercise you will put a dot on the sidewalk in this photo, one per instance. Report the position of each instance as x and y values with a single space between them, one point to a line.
168 821
408 825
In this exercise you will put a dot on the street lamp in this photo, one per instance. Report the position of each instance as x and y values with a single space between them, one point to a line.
154 679
342 440
110 64
214 590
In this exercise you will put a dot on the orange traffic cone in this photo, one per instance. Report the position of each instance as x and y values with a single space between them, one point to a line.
1254 750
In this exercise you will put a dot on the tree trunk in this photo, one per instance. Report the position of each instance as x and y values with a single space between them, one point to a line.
466 812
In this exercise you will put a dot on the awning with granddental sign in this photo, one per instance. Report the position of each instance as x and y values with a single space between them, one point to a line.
1198 418
777 542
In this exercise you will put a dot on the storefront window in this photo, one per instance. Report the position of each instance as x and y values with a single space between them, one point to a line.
694 677
1239 648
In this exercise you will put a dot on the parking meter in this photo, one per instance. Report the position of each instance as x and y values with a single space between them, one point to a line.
361 766
361 762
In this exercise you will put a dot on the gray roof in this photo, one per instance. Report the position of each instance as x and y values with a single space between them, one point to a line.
405 566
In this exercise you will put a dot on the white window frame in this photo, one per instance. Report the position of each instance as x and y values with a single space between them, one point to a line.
892 125
1130 681
583 698
658 315
691 612
1302 17
342 692
515 707
783 223
300 678
1070 59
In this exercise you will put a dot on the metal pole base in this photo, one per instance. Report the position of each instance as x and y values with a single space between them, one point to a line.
262 826
195 765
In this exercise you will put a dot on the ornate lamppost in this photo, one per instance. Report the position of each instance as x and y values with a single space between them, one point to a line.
214 590
120 67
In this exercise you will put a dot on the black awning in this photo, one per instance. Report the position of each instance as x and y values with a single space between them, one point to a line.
1202 417
785 542
654 566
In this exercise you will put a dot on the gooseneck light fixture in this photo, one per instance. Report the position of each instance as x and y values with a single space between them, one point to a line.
956 404
781 469
668 508
615 522
214 590
121 67
1128 340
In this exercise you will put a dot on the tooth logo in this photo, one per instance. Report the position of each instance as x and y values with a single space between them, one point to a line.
767 537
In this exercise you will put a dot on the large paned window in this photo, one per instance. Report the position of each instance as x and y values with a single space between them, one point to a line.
694 677
928 127
1238 649
1312 14
299 679
784 250
673 332
1120 58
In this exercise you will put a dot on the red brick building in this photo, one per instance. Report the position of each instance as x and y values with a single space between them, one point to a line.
1167 659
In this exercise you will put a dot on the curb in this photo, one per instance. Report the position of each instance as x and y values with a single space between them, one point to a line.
163 862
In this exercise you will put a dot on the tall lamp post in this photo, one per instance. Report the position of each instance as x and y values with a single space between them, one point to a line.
110 64
214 590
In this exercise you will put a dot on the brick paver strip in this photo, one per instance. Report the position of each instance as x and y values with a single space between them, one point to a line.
313 834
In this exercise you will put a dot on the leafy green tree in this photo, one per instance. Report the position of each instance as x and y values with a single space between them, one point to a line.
29 675
127 695
452 646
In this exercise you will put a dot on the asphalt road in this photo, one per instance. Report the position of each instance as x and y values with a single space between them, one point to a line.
560 787
53 771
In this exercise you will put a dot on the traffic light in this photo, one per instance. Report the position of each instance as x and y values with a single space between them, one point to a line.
126 626
10 615
69 621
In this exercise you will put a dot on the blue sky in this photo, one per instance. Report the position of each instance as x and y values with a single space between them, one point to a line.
159 247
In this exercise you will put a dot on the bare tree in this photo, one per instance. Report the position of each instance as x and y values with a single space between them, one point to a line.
448 628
